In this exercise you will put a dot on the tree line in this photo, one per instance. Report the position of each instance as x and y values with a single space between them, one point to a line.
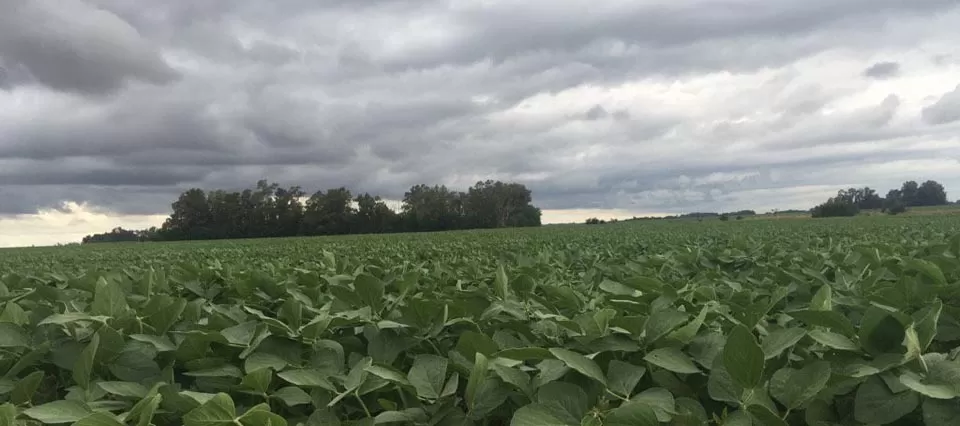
849 202
269 210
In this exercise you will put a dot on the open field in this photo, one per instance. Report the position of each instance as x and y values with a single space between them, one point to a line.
843 321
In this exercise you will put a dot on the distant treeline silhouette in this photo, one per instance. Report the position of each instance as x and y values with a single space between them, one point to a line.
272 211
849 202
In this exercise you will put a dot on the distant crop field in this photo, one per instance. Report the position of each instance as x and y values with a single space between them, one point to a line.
840 321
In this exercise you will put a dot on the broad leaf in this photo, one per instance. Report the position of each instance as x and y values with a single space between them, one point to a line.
580 363
672 359
743 357
427 375
631 414
876 404
63 411
794 388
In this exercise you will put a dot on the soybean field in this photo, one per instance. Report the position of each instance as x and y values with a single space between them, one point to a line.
852 321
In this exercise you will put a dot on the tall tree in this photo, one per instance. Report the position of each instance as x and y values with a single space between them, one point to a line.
373 215
931 193
289 210
494 204
429 208
908 192
191 218
328 213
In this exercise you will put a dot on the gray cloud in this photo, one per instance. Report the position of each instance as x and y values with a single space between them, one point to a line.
945 110
69 45
124 104
882 70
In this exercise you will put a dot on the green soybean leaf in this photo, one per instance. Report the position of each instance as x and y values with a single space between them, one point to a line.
13 336
309 378
876 404
793 388
881 331
26 388
834 340
144 410
720 386
538 415
525 354
623 377
661 323
427 375
84 366
832 320
99 419
568 401
927 269
743 357
109 299
258 360
501 283
672 359
580 363
661 400
388 373
631 414
370 290
822 300
292 396
478 375
764 416
161 343
8 414
780 340
259 380
63 411
471 343
926 323
261 417
129 389
941 381
218 411
939 412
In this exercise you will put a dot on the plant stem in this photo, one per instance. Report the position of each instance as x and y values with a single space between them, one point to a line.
362 404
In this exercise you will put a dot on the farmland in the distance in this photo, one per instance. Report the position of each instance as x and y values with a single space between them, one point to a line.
754 322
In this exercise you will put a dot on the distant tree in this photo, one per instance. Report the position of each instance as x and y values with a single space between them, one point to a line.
288 211
895 206
495 204
835 207
724 217
191 217
328 213
931 193
909 193
373 215
117 234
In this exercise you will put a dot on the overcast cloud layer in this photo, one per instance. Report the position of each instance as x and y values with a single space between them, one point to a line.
623 105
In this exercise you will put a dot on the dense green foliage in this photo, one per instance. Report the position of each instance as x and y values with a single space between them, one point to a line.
766 322
835 207
849 202
272 211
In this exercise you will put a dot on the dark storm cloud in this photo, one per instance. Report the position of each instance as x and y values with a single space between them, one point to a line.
69 45
881 70
945 110
123 104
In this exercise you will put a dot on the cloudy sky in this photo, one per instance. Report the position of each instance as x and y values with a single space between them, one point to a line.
110 108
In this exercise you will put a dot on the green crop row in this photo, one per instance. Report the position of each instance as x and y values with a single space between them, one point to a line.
844 322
